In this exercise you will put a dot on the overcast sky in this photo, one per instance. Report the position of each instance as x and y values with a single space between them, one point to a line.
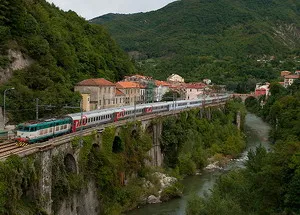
93 8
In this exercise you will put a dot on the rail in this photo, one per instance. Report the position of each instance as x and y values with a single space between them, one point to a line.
57 141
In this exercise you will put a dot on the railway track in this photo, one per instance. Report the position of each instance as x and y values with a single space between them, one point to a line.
8 148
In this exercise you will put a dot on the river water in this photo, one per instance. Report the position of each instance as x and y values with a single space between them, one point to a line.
257 133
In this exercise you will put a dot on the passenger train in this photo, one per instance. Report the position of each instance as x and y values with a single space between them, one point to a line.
38 131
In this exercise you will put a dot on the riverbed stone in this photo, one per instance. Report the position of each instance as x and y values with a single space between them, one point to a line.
153 199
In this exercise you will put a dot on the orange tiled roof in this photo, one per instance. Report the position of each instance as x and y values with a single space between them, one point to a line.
127 84
162 83
143 86
95 82
195 85
119 93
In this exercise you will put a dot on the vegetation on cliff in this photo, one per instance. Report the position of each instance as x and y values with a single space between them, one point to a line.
190 139
19 180
270 182
64 49
236 43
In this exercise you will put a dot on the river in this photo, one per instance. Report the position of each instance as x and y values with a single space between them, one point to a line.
257 133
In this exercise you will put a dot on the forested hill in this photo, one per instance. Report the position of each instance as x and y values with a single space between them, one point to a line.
187 33
59 48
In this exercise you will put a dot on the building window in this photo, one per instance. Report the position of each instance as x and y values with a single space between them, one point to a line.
120 100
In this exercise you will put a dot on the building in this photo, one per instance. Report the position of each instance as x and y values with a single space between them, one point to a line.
146 87
285 73
119 98
131 91
175 78
138 78
101 93
289 80
194 90
262 89
86 98
207 81
161 87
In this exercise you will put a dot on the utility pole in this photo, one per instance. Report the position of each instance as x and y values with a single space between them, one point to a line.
174 103
134 109
37 109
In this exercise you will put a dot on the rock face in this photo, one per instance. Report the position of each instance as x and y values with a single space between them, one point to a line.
18 61
213 166
153 199
84 203
165 181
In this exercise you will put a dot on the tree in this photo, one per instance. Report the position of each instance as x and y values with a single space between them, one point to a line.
170 96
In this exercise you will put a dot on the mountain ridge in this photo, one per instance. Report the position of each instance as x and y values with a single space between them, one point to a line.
189 37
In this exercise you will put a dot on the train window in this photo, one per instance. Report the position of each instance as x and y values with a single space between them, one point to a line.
56 128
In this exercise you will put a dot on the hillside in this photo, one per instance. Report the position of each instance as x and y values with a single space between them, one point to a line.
45 51
191 37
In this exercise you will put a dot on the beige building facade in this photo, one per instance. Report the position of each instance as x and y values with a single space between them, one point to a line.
131 91
102 92
175 78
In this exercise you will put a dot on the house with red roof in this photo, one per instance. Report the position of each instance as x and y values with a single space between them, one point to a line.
194 90
131 91
289 80
262 89
97 93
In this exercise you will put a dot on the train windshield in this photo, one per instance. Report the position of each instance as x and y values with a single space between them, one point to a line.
23 128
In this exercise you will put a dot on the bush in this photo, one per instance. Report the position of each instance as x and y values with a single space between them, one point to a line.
173 191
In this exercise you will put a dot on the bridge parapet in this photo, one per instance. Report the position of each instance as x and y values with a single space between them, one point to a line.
243 96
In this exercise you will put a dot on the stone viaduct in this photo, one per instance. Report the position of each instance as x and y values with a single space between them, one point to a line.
243 96
86 202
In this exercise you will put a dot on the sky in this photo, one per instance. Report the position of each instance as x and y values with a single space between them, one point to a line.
92 8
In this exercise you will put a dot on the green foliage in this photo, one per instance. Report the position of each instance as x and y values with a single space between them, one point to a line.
170 96
65 49
270 182
173 191
252 105
119 155
64 183
230 42
18 178
188 140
